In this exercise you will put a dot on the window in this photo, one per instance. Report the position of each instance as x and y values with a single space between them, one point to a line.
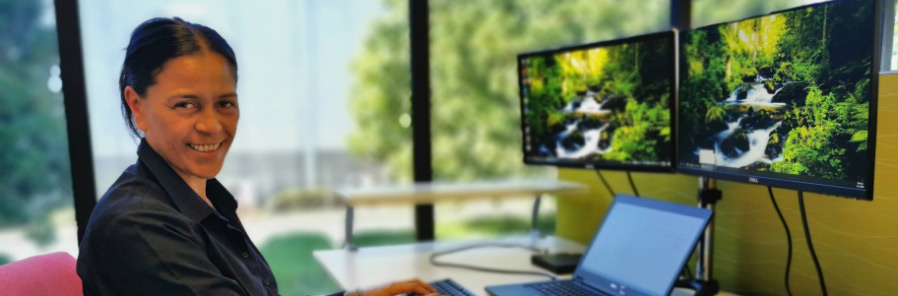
889 36
36 206
310 88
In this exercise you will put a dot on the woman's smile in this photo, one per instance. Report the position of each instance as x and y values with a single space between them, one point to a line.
205 148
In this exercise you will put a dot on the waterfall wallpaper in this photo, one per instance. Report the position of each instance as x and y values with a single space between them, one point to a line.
603 104
782 94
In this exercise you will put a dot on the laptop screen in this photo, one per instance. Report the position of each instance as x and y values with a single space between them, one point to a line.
642 246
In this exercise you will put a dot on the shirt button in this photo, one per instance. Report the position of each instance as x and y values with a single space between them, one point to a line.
266 282
245 255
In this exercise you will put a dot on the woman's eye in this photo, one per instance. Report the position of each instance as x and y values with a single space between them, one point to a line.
227 104
184 105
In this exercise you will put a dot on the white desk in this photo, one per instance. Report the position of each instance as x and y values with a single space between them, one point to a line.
424 193
365 268
375 266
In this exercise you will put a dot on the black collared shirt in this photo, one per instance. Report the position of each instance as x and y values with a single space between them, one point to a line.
151 234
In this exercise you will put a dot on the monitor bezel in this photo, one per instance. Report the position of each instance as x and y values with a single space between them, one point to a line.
672 42
787 182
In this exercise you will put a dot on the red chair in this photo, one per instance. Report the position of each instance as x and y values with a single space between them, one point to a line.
50 274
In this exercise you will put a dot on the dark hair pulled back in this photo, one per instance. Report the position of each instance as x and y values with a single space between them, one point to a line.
155 42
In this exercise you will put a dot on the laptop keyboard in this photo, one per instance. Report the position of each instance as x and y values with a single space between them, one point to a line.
560 288
448 287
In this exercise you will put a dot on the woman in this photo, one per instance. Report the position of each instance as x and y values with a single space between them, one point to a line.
166 226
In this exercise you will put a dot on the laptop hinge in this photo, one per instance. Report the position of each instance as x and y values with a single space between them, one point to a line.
579 282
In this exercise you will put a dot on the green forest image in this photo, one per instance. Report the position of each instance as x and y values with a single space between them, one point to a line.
609 103
785 93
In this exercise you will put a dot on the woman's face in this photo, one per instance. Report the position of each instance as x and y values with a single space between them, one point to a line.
189 116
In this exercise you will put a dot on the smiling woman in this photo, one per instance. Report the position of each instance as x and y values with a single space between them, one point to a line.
167 226
190 115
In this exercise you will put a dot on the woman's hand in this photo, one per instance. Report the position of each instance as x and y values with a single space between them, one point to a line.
415 286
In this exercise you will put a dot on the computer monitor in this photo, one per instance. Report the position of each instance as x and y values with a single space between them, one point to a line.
786 99
606 105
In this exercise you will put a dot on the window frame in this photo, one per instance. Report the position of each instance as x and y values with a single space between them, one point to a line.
71 64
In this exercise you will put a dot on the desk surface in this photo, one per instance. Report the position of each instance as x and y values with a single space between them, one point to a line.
375 266
429 192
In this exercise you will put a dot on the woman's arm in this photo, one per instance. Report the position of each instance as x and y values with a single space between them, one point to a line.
413 287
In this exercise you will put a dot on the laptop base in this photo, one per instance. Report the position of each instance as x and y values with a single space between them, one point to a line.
513 289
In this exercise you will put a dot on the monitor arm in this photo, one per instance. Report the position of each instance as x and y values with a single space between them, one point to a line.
704 284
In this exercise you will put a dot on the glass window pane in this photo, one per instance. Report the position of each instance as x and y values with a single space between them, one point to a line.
890 26
36 206
476 108
316 78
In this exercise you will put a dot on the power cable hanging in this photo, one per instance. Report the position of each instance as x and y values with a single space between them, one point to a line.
807 234
632 185
607 186
788 239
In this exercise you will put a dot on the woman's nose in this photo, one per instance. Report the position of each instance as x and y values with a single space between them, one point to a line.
208 122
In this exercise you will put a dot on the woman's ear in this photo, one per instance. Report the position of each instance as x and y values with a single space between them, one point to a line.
134 101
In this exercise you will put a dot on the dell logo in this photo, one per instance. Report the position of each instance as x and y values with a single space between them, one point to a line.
752 180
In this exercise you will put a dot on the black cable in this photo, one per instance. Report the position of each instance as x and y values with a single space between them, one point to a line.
688 270
632 185
607 186
433 260
788 239
807 234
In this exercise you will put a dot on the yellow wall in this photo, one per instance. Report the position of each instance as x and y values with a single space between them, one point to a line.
856 241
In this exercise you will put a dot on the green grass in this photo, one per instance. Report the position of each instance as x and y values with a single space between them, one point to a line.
296 271
486 227
4 259
373 238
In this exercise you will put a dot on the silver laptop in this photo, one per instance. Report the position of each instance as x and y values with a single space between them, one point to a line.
640 249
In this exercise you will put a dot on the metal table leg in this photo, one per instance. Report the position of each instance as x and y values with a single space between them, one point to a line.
350 212
534 217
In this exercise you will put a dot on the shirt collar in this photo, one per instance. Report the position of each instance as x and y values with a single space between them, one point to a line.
184 198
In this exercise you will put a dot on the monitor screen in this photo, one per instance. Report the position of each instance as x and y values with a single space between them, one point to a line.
602 105
642 246
786 99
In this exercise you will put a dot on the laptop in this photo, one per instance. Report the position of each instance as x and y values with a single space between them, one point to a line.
640 249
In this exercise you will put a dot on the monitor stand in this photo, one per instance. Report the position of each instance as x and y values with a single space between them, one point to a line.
704 284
